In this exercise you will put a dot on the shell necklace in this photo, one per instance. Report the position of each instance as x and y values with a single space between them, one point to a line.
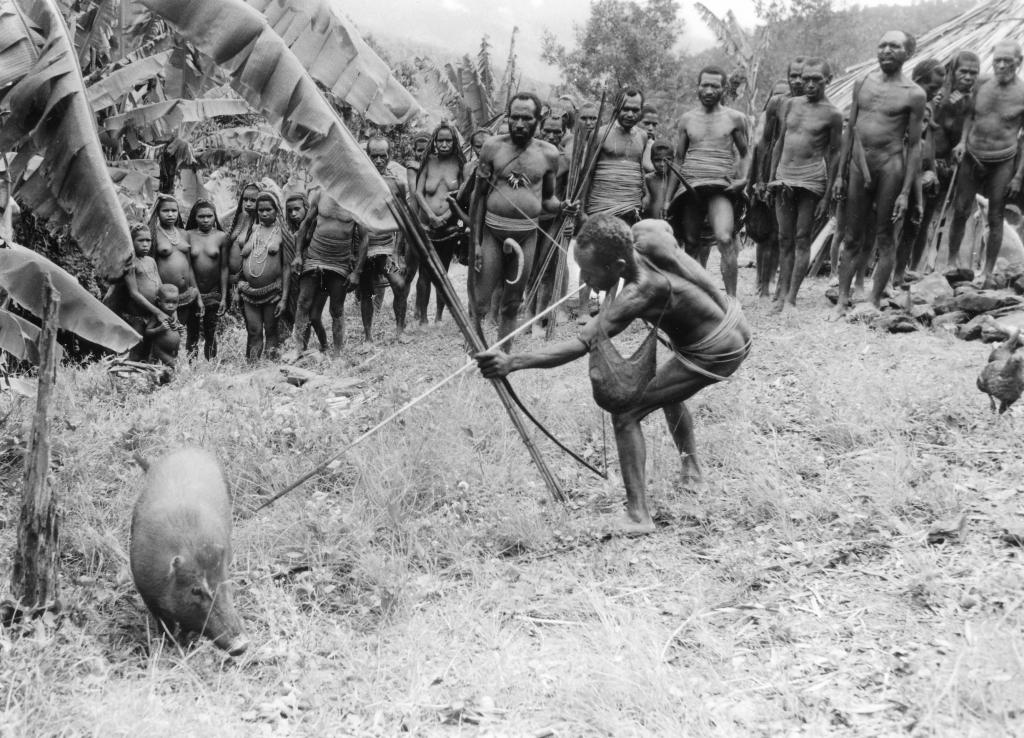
260 249
172 237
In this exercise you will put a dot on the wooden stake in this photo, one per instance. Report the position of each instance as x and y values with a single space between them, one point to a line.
34 580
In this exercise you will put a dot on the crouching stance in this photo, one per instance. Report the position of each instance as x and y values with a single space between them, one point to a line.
671 292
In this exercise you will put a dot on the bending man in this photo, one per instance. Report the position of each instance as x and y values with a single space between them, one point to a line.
670 291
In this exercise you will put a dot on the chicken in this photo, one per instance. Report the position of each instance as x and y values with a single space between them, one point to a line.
1002 377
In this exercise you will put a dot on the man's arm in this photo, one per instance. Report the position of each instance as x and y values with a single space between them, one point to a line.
779 144
364 244
961 147
224 251
549 198
913 165
739 139
839 185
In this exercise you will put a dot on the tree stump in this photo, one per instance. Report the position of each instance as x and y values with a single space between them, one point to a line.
34 580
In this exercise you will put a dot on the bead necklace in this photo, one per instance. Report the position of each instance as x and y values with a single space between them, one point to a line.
174 239
260 250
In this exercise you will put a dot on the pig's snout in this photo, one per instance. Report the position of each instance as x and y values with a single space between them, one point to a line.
235 645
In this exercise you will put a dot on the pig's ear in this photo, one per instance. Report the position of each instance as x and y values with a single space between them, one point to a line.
176 564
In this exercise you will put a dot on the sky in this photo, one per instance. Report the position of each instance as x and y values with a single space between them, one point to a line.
458 25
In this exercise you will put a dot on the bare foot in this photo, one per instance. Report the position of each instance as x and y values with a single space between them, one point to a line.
836 313
628 528
777 307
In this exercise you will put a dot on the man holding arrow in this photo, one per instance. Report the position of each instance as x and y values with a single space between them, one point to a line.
706 332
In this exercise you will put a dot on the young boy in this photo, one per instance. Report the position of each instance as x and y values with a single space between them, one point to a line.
164 336
659 185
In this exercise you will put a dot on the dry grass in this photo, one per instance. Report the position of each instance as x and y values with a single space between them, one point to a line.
426 587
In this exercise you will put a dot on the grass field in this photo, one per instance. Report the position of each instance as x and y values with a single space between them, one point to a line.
426 587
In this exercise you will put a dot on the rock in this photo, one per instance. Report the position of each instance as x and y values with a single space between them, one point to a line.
958 275
944 304
832 295
966 288
931 288
971 330
984 301
947 531
1009 272
998 329
952 319
863 312
1017 285
895 323
923 314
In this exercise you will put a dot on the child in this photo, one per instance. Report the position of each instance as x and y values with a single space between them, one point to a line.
659 185
164 336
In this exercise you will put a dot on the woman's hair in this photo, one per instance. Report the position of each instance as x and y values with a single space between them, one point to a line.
238 223
193 222
457 151
154 217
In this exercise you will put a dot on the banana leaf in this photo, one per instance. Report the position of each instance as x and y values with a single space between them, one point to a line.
20 338
111 88
160 120
269 76
17 45
336 56
21 275
49 115
95 28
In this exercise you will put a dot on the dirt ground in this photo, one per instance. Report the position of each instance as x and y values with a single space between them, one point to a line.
425 585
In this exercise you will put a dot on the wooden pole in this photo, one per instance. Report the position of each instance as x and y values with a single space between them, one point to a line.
431 263
34 579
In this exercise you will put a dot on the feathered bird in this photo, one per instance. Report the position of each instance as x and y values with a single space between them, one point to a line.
1002 378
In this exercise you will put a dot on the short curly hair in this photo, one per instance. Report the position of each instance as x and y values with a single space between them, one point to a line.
607 236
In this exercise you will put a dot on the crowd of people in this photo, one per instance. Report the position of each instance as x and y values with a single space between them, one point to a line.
491 203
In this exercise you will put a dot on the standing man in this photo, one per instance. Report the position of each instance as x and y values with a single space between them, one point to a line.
760 221
989 154
803 166
385 251
883 140
712 138
552 130
617 185
516 183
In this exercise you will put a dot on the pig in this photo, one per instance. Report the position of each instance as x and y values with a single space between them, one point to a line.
181 548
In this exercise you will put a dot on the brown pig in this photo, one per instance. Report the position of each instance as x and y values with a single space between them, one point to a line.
181 548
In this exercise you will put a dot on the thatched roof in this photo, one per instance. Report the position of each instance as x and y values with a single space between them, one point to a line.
977 30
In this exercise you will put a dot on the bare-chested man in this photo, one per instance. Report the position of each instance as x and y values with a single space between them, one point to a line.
671 292
516 183
875 172
385 251
931 76
617 185
804 163
761 223
552 130
989 154
710 139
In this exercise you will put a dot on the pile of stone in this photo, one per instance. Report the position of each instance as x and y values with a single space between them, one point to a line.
951 302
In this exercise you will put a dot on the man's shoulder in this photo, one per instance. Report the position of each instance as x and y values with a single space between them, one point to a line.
493 145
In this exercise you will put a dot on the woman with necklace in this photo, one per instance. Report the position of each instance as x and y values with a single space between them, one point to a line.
173 251
440 176
210 267
263 284
241 222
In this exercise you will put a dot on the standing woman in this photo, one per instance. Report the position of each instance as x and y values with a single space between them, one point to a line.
263 285
141 282
173 251
241 223
210 267
440 175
